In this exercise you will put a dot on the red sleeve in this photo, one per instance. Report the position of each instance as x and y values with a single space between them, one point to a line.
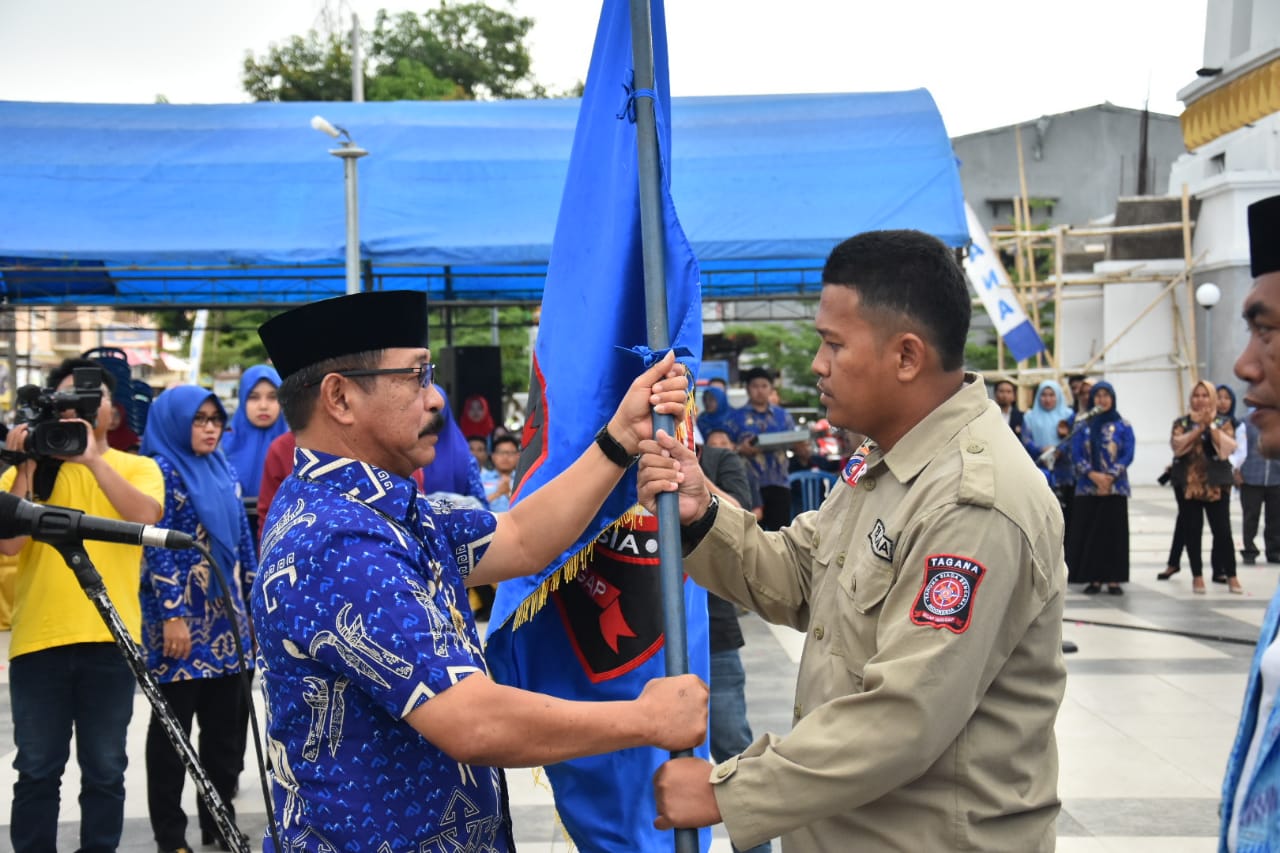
275 468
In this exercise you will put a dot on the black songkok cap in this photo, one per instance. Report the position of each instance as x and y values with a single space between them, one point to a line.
345 325
1264 236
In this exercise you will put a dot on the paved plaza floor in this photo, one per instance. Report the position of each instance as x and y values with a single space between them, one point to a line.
1143 734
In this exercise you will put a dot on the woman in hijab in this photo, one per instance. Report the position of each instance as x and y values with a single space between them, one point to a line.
1045 426
256 423
454 470
476 420
1098 541
716 411
1202 441
187 634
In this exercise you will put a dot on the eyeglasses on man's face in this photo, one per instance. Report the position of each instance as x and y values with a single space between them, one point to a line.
426 373
201 421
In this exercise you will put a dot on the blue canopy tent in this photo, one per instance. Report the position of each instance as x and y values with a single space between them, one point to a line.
236 204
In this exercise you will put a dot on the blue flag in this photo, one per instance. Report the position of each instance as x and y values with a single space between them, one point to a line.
589 625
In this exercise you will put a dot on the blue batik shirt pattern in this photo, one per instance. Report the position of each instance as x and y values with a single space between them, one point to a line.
179 583
1259 829
361 616
770 466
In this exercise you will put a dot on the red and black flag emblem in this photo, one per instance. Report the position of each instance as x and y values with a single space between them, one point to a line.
612 609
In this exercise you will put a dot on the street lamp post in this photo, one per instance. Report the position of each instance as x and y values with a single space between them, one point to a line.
349 153
1207 296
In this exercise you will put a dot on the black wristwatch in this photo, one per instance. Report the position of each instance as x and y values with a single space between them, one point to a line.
613 449
692 535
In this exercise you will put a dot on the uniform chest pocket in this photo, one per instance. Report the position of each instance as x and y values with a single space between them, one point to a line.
867 581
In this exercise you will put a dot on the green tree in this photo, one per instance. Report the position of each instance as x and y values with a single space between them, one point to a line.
455 51
785 348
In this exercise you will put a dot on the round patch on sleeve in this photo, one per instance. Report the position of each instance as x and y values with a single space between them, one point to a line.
948 592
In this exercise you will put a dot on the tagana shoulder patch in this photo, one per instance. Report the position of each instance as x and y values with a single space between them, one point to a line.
856 466
948 592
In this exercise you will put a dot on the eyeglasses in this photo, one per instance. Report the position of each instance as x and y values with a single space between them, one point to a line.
426 373
209 420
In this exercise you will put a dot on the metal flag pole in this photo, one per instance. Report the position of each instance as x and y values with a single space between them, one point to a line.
652 236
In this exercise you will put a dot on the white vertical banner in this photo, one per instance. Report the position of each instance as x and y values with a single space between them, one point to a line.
988 277
197 346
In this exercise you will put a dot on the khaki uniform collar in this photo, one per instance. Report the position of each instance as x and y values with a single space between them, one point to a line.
921 444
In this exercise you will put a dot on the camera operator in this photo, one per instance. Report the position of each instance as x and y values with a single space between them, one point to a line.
65 671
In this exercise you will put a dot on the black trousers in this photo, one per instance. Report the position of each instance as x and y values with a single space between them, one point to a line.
777 507
1179 540
1253 500
216 704
1191 515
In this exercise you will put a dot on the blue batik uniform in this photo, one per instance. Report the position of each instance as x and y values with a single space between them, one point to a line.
770 466
361 616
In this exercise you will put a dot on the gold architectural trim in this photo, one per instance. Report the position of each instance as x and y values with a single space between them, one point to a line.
1246 99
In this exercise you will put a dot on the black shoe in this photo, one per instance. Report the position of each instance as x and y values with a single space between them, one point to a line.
1273 558
1069 646
1115 589
1219 578
1250 559
1168 573
1092 589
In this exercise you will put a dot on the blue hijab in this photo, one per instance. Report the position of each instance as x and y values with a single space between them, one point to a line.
1042 423
450 471
210 486
246 445
1231 413
709 422
1099 420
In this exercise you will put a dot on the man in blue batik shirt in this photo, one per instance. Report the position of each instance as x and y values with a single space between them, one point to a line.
758 416
384 729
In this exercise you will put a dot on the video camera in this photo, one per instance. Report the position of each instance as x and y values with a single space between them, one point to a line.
42 410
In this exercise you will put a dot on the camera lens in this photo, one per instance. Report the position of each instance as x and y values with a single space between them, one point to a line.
59 439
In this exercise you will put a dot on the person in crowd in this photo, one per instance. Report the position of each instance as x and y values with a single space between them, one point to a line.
189 635
1225 400
1006 397
1202 441
65 672
1251 785
716 411
454 471
120 435
760 416
1075 381
499 482
930 585
726 476
719 438
1098 539
387 732
1046 426
480 450
1259 481
476 420
255 424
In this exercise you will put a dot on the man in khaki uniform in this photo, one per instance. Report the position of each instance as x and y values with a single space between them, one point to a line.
930 586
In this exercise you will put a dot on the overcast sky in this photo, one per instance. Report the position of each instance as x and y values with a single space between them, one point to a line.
988 63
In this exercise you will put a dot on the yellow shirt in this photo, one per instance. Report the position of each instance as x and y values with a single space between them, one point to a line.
50 609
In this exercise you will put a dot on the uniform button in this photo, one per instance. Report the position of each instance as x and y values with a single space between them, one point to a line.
723 771
869 484
816 536
819 633
974 448
840 560
797 710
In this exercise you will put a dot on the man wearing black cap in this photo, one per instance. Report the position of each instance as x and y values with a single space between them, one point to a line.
384 727
1250 806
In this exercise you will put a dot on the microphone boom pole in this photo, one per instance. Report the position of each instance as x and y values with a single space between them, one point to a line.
73 551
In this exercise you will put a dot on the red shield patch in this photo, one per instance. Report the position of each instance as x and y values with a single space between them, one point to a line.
948 592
